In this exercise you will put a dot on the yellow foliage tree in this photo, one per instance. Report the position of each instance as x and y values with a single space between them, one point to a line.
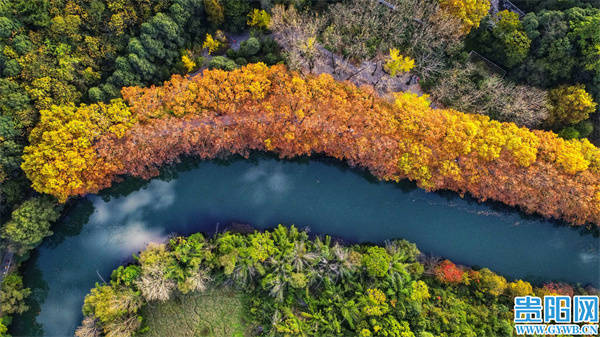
397 63
61 159
188 63
211 44
570 105
278 110
470 12
519 288
259 18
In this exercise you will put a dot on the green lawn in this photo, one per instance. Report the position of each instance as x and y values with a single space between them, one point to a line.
215 312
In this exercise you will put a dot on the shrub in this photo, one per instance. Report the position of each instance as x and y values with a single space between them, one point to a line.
569 133
272 59
222 62
249 47
232 54
241 61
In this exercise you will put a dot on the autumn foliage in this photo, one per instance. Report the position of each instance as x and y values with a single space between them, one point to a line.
448 272
470 12
270 108
63 161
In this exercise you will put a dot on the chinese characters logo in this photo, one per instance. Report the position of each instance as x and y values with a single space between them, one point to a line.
565 312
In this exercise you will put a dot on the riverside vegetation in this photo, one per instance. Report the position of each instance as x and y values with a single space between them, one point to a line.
80 150
294 285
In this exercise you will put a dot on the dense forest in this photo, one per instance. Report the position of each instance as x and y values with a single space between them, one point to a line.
82 83
313 287
541 70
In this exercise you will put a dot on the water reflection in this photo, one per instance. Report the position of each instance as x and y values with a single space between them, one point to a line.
101 232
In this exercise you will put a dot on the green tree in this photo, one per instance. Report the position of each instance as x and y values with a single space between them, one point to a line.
11 68
249 47
215 12
33 12
30 223
235 13
13 295
7 27
491 283
377 261
586 34
10 149
515 42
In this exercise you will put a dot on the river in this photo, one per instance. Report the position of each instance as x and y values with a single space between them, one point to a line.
102 231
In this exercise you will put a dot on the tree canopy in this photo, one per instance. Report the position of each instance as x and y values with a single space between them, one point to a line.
294 285
227 111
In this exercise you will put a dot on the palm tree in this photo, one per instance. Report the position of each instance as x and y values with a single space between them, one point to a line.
351 312
301 257
243 273
198 280
277 280
398 263
89 328
336 264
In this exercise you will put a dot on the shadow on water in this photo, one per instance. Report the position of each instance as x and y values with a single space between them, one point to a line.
501 208
171 172
76 214
39 292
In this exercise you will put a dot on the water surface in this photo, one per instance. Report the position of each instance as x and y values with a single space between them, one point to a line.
100 232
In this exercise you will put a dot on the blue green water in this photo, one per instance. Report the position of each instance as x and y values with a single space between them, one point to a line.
101 232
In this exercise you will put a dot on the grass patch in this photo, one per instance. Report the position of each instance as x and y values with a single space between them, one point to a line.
215 312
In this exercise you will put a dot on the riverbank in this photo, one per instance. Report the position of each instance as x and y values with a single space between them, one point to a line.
299 286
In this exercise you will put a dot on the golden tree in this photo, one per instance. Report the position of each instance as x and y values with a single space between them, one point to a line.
470 12
270 108
259 18
570 105
397 63
211 44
